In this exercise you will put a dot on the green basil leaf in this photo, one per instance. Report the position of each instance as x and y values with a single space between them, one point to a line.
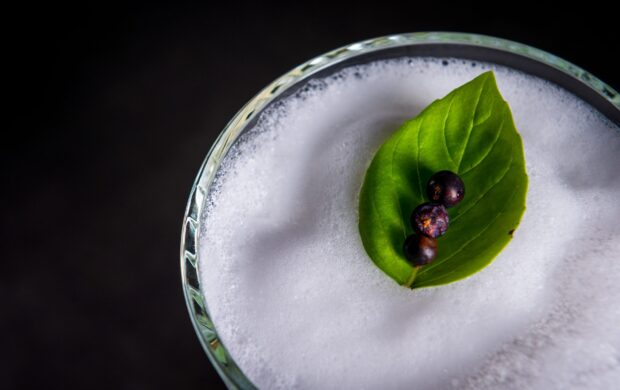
470 132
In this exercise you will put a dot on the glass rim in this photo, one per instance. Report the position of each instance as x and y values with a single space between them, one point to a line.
225 366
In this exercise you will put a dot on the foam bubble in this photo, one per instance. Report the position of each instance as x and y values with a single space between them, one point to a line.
299 304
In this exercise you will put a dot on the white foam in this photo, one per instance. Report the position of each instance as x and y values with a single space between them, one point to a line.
298 303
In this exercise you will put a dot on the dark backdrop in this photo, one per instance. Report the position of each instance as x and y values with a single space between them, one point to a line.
111 111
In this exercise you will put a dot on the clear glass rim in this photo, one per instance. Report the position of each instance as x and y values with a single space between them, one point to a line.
205 329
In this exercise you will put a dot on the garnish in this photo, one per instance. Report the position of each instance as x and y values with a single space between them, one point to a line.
469 132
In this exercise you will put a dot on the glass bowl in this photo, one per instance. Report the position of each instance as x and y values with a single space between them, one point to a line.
424 44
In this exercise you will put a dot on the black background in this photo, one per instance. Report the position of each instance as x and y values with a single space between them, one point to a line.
111 110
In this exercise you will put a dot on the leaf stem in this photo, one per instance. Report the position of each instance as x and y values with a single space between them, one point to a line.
414 273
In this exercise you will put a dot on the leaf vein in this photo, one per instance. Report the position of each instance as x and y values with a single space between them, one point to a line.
434 265
471 126
417 164
445 141
400 210
466 244
499 133
485 192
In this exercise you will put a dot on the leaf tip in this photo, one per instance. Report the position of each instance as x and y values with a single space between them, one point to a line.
489 74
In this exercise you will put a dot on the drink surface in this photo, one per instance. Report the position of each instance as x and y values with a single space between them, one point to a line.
298 303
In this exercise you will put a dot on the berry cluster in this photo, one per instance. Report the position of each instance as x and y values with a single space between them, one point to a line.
430 220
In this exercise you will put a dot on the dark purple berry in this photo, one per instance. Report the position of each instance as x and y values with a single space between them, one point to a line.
430 219
420 250
445 187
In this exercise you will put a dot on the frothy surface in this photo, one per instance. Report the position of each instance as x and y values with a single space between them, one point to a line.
299 304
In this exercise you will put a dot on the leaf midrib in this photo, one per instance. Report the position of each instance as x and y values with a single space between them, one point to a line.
471 126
